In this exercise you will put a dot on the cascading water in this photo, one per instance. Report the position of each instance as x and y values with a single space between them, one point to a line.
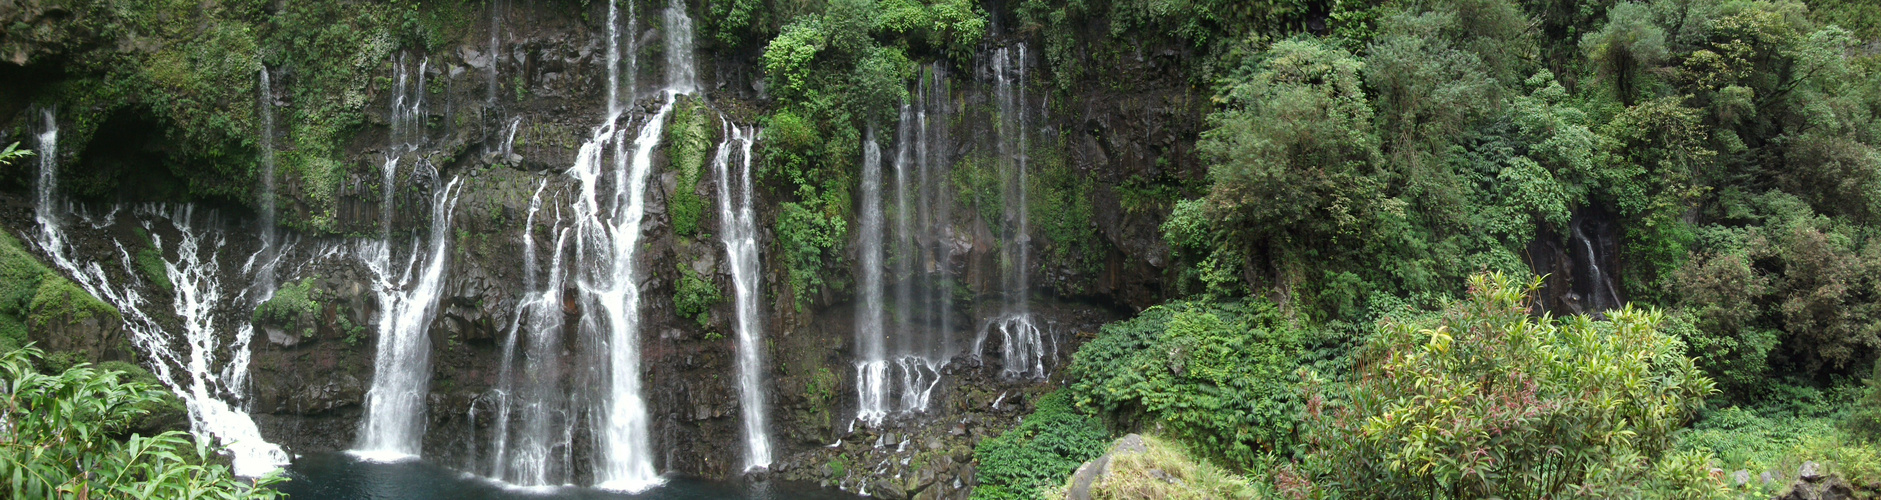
1022 342
905 362
871 354
738 231
496 46
198 374
393 428
264 278
607 239
45 208
681 77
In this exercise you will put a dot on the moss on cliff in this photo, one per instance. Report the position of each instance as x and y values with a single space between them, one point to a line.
34 298
191 72
294 307
695 296
689 140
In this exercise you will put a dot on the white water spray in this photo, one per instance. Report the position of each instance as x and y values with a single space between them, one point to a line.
395 405
871 353
738 231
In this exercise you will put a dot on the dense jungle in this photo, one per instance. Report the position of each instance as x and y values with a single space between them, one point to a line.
940 249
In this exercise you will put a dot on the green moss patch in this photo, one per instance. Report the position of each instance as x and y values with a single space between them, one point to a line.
295 307
689 140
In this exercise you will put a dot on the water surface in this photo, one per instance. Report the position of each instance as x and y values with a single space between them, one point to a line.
338 476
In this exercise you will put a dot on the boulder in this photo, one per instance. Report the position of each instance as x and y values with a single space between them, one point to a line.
1099 468
1811 484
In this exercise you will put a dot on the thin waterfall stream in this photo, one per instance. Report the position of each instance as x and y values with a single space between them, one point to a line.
872 354
739 233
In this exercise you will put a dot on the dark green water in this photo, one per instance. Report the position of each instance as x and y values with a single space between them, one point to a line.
338 476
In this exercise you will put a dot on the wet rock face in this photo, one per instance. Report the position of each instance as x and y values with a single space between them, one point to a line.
1581 263
310 373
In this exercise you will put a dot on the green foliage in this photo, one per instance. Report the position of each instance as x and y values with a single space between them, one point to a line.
1483 399
689 140
35 298
1218 376
150 263
60 300
295 307
836 72
1292 148
63 440
694 297
1061 208
1023 462
186 75
13 153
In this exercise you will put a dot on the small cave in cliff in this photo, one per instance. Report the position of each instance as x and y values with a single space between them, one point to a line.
129 158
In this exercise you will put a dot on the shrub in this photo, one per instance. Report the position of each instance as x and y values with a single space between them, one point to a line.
61 442
695 296
1024 462
1219 376
296 307
1484 400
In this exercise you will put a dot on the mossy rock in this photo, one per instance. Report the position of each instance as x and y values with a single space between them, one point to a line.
694 297
58 299
295 307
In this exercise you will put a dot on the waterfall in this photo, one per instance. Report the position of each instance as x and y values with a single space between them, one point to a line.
681 77
1601 296
393 428
46 209
1022 342
905 362
264 279
544 424
496 46
871 354
738 231
192 374
932 146
613 57
505 379
607 241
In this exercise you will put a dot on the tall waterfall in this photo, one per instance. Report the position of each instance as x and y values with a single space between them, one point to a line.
607 239
739 232
905 361
45 207
393 427
1022 343
395 405
264 278
535 406
871 353
198 373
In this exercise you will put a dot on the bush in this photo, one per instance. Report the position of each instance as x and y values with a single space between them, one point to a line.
1024 462
1218 376
295 307
1484 400
695 296
62 441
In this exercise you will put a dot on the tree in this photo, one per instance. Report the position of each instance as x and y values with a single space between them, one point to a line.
1483 400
